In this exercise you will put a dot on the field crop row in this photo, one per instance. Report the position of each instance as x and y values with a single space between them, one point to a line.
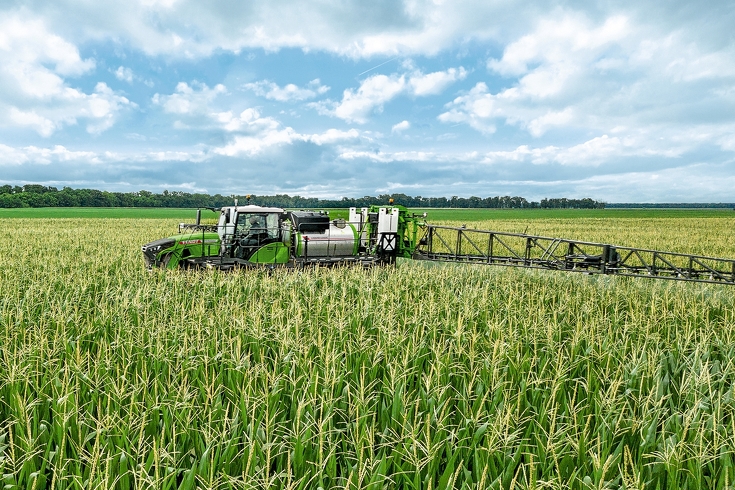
417 376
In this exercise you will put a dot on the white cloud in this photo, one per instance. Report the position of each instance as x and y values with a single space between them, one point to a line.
103 107
248 120
399 156
544 122
570 39
34 92
333 136
591 153
35 155
100 108
253 145
597 151
253 135
436 82
44 156
124 74
187 28
573 73
29 49
375 91
34 60
400 127
553 68
171 156
44 126
260 133
289 92
356 106
727 142
476 108
190 99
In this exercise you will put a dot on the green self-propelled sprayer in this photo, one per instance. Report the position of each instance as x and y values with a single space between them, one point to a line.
252 236
255 236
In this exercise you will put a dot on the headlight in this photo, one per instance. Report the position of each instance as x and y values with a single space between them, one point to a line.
152 249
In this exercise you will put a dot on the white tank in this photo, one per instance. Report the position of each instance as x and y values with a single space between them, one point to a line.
339 240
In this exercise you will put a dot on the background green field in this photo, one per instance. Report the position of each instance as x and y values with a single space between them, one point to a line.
414 376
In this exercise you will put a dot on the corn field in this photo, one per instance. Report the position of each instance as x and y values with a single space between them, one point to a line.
416 376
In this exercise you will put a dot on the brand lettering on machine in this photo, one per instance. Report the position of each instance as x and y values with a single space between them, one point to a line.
199 240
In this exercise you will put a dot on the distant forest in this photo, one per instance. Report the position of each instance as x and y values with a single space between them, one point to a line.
39 196
670 205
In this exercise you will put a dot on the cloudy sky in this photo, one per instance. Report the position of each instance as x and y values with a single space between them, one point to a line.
618 101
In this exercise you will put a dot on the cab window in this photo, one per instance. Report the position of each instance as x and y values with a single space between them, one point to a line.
257 223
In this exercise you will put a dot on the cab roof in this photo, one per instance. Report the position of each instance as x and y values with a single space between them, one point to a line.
251 208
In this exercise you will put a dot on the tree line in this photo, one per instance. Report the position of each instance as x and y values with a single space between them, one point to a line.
673 205
38 196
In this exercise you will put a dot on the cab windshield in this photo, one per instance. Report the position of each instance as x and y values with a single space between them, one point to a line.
264 224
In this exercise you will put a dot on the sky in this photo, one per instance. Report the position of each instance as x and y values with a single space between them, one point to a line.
625 101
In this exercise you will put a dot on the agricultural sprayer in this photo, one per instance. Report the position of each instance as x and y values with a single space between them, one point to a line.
255 236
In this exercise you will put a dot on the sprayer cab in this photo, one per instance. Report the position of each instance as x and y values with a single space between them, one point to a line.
243 230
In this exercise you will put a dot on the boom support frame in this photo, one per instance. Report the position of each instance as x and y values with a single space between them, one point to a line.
460 244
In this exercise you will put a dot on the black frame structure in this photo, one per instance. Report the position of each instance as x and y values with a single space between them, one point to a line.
452 244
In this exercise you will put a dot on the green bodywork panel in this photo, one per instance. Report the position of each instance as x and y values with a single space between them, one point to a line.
297 238
273 253
409 227
189 245
356 236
